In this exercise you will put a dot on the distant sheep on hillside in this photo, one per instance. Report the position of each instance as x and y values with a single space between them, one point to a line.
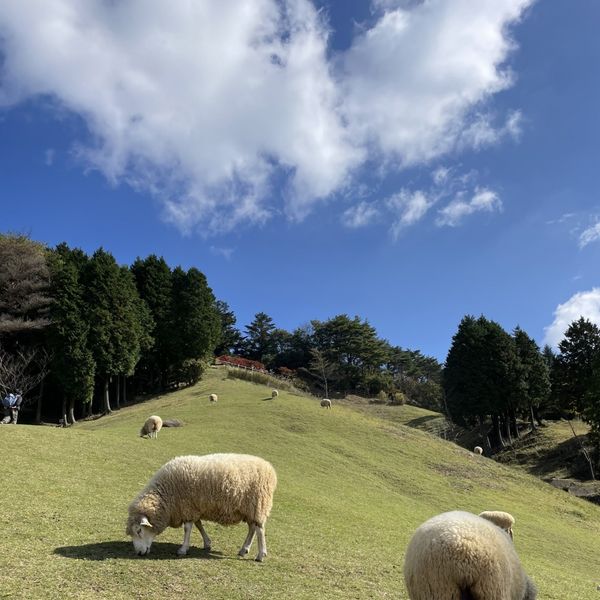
151 427
478 450
274 394
459 555
224 488
326 403
213 397
500 518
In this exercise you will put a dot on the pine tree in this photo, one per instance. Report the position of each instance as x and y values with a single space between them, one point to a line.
258 342
229 336
72 362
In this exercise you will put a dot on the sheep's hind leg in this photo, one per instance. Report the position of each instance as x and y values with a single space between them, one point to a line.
262 542
248 541
187 532
205 538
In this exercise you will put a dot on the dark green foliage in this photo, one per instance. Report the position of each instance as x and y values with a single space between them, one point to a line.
258 342
195 320
229 337
72 363
575 365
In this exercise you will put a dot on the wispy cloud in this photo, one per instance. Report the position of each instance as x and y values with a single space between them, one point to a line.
49 155
582 304
205 105
483 200
360 215
226 253
407 209
591 234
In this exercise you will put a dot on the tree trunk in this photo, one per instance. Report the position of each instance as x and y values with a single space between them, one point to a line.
498 431
532 418
506 424
536 414
106 396
38 409
72 411
118 392
63 412
124 389
483 432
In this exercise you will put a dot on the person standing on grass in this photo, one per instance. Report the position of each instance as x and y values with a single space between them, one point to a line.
11 404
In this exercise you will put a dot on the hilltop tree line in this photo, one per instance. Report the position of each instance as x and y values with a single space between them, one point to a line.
493 378
79 334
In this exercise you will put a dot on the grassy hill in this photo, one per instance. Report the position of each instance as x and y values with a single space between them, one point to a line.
352 489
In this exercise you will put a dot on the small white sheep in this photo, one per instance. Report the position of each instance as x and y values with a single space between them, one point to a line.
213 397
478 450
460 555
500 518
224 488
274 394
151 427
326 403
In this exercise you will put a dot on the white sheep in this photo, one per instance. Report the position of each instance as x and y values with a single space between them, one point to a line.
151 427
459 555
478 450
213 397
326 403
274 394
500 518
224 488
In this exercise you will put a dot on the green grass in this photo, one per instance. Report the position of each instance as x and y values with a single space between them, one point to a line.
352 489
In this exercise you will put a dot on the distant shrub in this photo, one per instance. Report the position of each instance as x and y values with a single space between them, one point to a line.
192 371
397 398
238 361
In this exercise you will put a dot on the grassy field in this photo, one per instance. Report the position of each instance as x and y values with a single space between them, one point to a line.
352 489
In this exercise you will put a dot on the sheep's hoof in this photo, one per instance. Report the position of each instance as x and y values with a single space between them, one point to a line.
182 551
207 548
243 552
259 558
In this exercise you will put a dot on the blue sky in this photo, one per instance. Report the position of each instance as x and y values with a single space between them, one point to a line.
406 161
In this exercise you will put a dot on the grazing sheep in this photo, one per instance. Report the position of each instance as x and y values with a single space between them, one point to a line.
151 427
460 556
326 403
274 394
213 397
500 518
224 488
478 450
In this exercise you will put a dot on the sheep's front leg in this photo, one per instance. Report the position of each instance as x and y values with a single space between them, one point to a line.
187 532
205 538
248 541
262 542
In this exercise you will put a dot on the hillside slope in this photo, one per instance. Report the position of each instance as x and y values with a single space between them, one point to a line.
352 489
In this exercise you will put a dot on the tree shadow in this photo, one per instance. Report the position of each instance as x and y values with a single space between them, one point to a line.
419 421
124 550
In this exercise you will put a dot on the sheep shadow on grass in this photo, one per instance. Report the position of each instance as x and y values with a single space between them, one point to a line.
160 551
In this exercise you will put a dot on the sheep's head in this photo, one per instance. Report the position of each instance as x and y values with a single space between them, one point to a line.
142 532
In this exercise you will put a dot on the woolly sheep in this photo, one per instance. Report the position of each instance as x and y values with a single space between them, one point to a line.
213 397
326 403
274 394
500 518
224 488
478 450
151 427
457 555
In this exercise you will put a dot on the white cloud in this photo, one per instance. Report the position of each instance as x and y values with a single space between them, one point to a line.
581 304
408 208
591 234
49 155
202 103
483 200
413 80
226 253
360 215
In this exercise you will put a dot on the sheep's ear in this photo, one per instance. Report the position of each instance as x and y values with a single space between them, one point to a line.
145 523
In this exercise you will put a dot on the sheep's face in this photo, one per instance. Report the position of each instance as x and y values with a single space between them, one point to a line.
141 530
